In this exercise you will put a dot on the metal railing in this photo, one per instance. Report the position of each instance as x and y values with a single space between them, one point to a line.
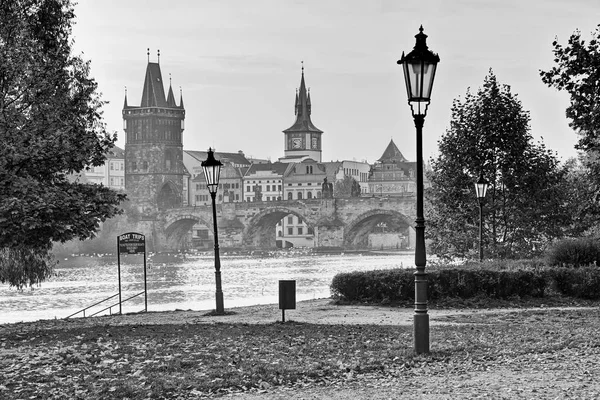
109 308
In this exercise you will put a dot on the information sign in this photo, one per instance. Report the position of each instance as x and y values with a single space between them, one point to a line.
132 243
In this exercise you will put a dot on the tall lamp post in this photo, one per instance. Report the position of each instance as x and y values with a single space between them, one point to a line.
480 189
419 70
212 170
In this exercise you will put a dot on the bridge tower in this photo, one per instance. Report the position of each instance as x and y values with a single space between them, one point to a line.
303 139
154 172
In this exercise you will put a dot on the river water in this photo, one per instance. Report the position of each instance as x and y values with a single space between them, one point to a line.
184 282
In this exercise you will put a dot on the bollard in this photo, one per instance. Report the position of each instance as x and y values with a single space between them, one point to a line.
287 297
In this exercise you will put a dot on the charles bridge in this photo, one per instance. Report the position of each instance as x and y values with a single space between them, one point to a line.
337 223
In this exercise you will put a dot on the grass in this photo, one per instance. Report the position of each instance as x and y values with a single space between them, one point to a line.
200 360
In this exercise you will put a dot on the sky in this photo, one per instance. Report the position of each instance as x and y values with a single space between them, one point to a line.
238 64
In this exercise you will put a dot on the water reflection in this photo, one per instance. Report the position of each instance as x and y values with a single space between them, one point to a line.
184 282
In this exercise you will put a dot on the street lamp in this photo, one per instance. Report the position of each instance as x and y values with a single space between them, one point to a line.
212 170
419 70
480 189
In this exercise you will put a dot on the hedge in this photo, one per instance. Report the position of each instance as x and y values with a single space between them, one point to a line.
398 284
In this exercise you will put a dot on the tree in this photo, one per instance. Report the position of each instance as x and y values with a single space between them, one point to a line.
50 127
525 205
577 71
347 187
583 204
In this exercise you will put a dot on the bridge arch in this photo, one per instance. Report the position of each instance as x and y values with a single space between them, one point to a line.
357 231
178 226
260 229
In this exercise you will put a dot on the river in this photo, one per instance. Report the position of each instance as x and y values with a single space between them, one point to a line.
185 282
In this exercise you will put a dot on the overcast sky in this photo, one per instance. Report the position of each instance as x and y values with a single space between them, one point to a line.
238 63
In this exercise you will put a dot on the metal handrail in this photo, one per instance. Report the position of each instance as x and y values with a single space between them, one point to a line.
116 304
102 301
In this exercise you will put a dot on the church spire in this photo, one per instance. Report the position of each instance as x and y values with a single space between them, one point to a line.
125 102
301 106
303 109
171 96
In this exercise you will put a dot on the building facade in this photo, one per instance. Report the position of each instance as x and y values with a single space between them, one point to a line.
392 174
110 174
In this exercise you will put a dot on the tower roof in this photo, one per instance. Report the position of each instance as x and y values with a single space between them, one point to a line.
303 109
171 97
153 94
392 153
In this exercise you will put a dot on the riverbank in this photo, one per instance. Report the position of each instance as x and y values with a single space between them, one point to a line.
323 351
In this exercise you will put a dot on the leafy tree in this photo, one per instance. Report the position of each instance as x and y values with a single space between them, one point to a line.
583 204
525 204
347 187
50 127
105 239
577 71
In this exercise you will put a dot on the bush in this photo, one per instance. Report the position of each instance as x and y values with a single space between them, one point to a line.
575 252
489 280
581 282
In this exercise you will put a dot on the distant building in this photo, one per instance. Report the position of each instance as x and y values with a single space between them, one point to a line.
393 174
302 139
110 174
230 190
264 182
358 170
230 187
154 171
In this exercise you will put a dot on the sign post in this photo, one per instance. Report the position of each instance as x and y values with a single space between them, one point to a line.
132 243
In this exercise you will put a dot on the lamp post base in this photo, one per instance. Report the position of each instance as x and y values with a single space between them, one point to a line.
421 332
220 306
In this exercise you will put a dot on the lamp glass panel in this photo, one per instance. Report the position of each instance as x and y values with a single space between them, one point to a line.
211 173
414 76
406 68
428 76
481 189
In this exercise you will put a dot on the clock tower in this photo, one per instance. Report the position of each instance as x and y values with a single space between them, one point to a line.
303 139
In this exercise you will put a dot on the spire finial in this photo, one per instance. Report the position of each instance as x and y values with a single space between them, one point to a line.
158 52
125 90
169 79
302 62
148 54
421 28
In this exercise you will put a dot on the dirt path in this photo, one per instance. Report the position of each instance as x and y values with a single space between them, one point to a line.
319 311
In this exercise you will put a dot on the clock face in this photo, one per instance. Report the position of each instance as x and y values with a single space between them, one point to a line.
296 143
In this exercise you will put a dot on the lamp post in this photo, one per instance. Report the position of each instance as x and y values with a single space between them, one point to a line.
480 189
419 70
212 170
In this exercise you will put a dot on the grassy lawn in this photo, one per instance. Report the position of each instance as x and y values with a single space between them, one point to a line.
201 360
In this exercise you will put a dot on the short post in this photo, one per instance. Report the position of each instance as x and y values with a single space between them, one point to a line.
287 297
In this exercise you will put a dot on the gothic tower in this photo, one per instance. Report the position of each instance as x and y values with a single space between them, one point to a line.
154 169
303 139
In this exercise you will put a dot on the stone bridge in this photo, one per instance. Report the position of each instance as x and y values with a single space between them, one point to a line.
337 223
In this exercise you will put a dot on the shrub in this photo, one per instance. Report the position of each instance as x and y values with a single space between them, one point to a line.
486 281
575 252
583 282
